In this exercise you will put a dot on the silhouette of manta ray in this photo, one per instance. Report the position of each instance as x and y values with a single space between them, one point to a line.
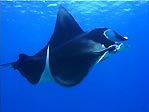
69 54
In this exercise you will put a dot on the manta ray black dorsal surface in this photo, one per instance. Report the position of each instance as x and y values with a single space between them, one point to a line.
77 51
66 28
69 54
32 67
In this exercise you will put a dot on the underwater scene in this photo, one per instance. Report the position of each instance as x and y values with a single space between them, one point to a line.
74 56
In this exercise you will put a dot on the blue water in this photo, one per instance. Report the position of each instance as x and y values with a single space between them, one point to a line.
118 84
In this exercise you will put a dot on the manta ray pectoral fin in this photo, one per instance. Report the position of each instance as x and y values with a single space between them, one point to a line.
46 75
66 28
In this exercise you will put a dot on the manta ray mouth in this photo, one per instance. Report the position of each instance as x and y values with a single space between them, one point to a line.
120 46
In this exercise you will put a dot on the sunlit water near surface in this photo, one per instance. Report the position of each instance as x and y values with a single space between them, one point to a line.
118 84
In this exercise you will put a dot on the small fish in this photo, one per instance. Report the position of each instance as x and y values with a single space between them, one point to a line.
69 54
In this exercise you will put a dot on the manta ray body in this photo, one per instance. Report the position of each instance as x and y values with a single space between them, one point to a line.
69 54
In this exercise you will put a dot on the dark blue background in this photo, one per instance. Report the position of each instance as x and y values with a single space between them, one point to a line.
118 84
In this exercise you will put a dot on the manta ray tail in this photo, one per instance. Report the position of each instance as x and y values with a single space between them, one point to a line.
8 64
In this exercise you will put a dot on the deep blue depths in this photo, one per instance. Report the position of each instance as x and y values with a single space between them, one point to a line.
118 84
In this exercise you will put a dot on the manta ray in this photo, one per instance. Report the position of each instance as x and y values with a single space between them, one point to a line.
70 53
